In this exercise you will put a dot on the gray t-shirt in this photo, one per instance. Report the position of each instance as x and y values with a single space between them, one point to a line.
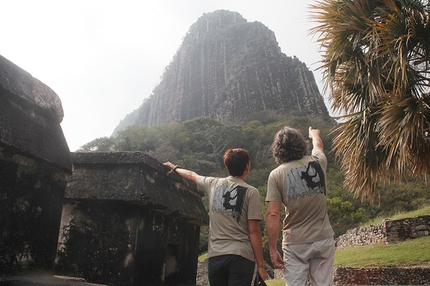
232 202
300 185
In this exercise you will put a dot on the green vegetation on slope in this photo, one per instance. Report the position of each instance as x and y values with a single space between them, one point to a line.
402 215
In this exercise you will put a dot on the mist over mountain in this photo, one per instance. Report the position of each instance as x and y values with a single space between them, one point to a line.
227 68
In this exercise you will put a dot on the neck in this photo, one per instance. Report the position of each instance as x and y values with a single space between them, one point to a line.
241 177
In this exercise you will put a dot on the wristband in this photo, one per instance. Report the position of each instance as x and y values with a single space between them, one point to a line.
176 167
259 266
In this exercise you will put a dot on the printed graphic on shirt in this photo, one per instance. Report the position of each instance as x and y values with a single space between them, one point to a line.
305 181
229 200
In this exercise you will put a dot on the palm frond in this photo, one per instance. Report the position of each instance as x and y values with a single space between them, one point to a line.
376 64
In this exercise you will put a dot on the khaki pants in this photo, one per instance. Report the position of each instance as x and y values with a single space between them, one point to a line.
310 260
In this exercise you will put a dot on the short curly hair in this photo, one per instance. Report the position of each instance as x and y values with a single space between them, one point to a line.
288 145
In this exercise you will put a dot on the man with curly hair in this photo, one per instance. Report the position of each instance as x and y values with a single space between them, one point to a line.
299 183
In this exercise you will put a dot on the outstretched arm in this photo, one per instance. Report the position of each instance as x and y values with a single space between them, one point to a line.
317 143
184 173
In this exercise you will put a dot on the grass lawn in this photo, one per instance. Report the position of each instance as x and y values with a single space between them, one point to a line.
412 252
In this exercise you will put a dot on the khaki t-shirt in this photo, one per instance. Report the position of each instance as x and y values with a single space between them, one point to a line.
232 202
300 185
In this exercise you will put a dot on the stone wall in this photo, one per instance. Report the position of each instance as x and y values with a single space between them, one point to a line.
388 231
381 276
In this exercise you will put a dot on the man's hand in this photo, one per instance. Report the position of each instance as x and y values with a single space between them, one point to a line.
170 166
263 273
276 259
313 132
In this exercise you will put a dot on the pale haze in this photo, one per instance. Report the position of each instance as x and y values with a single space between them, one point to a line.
103 58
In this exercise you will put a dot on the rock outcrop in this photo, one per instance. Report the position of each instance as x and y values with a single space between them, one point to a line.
226 68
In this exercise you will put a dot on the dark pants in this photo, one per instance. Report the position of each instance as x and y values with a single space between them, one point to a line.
230 270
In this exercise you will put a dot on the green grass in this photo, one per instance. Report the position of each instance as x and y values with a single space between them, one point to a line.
203 257
419 212
275 282
413 252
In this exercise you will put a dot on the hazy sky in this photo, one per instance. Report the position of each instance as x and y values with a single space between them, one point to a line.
103 58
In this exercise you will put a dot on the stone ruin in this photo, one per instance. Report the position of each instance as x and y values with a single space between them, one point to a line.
35 166
84 218
125 223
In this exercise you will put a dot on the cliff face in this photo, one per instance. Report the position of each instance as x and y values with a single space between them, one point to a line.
225 68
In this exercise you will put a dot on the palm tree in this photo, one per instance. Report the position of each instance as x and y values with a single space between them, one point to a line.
376 67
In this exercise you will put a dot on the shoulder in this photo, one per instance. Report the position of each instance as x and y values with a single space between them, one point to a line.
320 157
246 185
207 181
278 169
281 169
318 154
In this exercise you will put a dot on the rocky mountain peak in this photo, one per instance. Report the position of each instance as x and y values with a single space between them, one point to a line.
226 68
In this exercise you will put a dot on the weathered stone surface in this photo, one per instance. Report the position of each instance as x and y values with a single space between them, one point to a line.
34 168
44 279
382 276
22 85
125 222
134 177
388 231
30 116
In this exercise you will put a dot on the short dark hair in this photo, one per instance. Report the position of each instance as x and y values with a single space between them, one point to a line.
235 160
289 145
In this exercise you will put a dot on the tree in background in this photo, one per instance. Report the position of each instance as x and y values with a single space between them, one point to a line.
376 63
102 144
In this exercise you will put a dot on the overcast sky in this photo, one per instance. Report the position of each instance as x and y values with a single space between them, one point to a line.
103 58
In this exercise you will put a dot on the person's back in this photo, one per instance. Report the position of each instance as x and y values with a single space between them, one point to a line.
304 197
299 183
234 233
232 203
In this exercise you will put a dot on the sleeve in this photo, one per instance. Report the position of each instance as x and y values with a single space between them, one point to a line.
204 183
254 206
274 193
320 157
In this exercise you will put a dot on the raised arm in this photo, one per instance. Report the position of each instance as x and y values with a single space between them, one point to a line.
317 144
184 173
